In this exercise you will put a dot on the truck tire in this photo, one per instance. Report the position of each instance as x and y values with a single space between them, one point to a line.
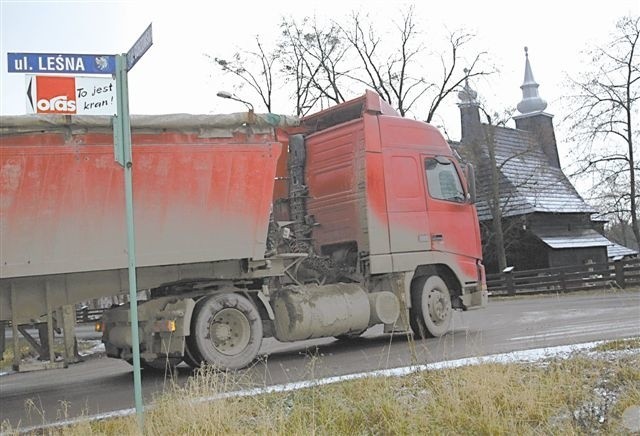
191 356
226 331
431 311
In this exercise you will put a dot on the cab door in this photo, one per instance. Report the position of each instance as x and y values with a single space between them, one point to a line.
406 202
452 218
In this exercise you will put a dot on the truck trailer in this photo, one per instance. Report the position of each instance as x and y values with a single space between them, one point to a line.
247 226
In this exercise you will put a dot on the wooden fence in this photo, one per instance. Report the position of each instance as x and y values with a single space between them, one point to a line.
617 274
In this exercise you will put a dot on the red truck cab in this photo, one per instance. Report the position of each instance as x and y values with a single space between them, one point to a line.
391 192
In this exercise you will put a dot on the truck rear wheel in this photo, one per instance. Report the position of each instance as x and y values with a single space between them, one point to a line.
226 331
431 310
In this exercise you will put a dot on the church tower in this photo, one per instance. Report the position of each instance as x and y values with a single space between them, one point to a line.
533 118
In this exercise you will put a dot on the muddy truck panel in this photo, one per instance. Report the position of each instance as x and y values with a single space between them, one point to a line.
202 185
62 206
371 184
388 198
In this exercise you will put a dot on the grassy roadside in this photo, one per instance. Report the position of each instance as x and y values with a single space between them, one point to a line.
586 393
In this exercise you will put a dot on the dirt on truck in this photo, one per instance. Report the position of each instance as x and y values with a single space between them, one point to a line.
247 226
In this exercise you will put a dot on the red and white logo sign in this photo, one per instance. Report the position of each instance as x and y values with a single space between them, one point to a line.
75 95
55 95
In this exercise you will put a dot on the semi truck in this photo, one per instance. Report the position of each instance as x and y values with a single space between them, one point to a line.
248 226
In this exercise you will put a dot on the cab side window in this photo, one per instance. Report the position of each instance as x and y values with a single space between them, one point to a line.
442 180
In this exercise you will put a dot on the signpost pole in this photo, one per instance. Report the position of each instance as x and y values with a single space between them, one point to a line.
122 132
117 65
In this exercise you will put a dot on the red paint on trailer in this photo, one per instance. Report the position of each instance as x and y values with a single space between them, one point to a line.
196 199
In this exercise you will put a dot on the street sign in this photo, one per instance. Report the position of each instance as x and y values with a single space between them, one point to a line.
52 63
74 95
139 48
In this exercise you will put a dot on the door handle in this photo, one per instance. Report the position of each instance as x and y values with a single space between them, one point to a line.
437 238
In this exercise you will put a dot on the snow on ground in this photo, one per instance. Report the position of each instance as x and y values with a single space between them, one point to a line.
97 347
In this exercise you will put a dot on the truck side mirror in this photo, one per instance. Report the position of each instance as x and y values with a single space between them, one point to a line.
471 183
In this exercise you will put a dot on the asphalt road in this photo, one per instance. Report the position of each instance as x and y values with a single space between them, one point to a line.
100 384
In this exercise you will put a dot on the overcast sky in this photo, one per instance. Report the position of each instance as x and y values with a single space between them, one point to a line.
175 76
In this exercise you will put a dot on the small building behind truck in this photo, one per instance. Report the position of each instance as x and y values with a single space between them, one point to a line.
546 223
247 226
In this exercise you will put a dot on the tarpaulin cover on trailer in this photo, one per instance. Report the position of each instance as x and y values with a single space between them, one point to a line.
179 122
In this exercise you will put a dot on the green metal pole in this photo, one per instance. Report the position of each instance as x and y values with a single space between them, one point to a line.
124 132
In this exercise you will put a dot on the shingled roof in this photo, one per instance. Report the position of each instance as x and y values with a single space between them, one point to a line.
617 250
528 183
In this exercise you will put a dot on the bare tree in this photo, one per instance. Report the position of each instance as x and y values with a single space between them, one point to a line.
320 62
503 233
255 68
612 199
308 57
389 73
604 102
619 230
295 67
495 197
397 72
315 60
453 75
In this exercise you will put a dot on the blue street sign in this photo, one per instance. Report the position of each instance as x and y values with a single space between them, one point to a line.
139 48
61 63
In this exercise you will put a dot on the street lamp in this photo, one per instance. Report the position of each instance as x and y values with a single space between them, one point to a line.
230 96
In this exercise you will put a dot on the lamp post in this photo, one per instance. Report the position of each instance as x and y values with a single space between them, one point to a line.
230 96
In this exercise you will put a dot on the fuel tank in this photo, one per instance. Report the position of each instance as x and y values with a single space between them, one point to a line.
312 311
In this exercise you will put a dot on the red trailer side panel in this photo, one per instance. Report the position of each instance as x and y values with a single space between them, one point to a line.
62 201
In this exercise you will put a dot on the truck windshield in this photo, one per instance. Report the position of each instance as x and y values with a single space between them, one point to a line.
443 182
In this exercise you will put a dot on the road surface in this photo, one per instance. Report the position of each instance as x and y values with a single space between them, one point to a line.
101 384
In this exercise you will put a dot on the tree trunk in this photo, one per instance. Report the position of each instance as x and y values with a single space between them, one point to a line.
632 179
498 237
494 203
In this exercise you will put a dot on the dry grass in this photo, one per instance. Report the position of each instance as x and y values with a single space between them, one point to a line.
7 358
619 345
579 395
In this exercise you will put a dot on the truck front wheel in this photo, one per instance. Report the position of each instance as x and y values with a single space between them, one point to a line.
431 310
226 331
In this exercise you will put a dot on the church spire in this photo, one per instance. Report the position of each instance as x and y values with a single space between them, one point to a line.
531 101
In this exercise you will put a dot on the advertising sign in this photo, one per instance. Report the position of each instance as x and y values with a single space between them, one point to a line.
76 95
